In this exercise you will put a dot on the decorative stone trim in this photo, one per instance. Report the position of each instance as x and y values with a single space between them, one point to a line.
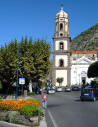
62 68
58 52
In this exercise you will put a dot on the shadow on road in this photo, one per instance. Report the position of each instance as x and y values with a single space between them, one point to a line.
77 99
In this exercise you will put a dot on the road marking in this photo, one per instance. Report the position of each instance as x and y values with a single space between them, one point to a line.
52 119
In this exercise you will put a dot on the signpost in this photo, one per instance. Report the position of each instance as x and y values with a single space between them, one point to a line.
22 82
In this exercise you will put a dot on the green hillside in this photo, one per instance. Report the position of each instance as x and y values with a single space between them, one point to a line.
86 41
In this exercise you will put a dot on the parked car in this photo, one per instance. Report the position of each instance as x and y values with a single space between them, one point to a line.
75 88
67 89
88 94
39 90
47 87
51 91
59 89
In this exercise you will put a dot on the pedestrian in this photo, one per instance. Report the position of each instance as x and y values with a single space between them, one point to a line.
44 99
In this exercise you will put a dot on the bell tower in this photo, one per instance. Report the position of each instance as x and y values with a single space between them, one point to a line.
61 53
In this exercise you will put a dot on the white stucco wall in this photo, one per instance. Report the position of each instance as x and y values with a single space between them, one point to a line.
61 74
57 42
79 69
66 27
77 74
58 57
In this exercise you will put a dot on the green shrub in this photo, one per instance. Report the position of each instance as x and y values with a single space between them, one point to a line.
0 85
63 87
30 110
31 94
41 84
0 98
11 116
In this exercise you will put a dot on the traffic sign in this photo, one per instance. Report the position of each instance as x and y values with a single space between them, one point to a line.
22 81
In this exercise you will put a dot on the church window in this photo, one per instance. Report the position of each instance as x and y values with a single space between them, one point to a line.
61 26
61 63
61 45
93 57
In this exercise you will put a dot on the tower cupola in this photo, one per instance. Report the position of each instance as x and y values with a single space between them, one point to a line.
61 13
61 24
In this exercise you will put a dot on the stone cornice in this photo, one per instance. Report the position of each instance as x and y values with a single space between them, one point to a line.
62 68
80 63
61 38
61 52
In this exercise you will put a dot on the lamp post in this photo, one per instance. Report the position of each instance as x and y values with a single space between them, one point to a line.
17 75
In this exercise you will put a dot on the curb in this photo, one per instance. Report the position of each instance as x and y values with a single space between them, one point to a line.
43 122
13 125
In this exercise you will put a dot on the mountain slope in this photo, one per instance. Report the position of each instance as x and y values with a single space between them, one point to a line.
86 41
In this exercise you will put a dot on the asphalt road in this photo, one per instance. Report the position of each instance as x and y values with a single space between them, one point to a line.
66 110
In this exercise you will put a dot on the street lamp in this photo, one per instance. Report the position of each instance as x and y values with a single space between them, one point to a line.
17 74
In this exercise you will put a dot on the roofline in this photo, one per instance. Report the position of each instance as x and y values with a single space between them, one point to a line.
85 52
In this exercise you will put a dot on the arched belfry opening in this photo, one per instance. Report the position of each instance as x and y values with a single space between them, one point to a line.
61 46
61 27
61 63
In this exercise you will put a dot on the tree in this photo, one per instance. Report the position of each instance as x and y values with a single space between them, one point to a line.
60 80
34 61
41 54
93 70
8 61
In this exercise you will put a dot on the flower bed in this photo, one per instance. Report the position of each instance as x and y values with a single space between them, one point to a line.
26 109
12 105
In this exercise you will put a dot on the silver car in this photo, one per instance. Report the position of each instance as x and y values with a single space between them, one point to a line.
59 89
51 91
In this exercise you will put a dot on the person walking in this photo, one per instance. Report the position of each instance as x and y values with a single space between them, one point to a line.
44 99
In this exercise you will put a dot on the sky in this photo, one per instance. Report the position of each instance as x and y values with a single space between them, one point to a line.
36 18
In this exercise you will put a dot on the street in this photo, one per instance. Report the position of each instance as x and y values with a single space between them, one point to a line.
66 110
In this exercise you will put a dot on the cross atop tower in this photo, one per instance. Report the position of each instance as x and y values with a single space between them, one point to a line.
61 6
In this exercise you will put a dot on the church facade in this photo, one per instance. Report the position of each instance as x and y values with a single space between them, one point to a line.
61 54
80 61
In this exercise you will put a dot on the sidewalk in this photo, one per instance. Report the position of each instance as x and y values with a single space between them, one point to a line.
42 122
